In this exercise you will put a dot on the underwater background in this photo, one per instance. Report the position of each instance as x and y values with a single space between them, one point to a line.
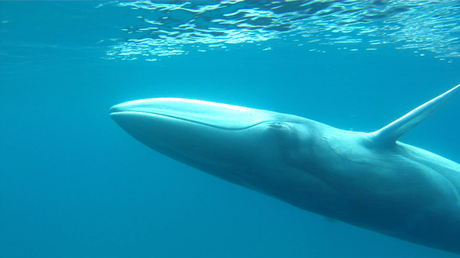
74 184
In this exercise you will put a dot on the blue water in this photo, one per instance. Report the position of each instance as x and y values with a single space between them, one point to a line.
74 184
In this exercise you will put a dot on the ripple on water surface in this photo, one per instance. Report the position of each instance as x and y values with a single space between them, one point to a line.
168 28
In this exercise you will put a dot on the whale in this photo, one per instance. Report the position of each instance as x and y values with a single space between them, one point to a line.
366 179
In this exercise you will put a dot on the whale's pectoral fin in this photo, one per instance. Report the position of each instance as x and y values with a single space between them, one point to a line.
390 133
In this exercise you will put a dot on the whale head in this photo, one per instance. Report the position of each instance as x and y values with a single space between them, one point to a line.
238 144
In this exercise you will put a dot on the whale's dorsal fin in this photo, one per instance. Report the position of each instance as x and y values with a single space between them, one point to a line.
390 133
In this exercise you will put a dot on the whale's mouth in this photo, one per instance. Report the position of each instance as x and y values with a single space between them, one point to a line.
224 126
211 114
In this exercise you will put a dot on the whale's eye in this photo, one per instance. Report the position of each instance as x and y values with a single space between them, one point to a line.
277 125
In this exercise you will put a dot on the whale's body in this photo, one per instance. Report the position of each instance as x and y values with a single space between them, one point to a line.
365 179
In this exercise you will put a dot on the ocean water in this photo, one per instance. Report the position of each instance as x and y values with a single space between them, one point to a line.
74 184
